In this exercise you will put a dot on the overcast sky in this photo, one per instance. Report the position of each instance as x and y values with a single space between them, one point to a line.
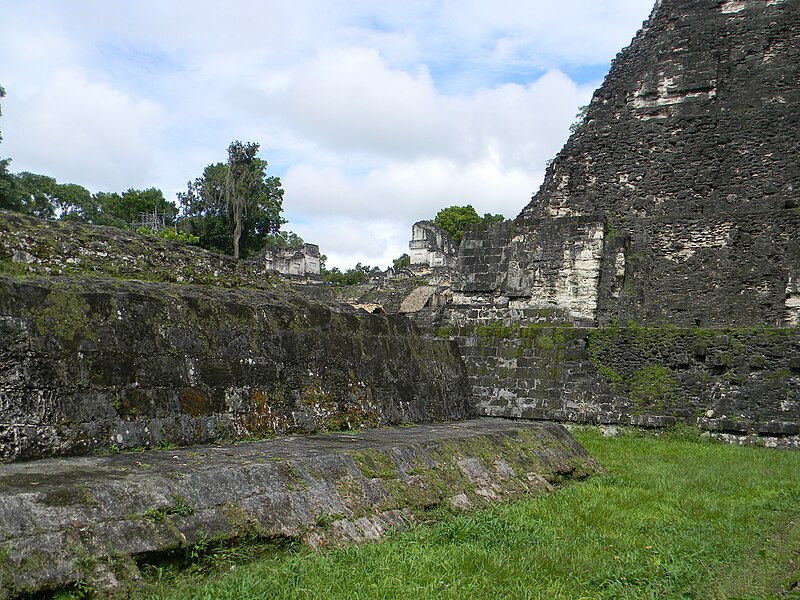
374 114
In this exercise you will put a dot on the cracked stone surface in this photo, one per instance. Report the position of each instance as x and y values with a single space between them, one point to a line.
91 519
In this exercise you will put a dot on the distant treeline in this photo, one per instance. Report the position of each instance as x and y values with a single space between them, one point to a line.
202 216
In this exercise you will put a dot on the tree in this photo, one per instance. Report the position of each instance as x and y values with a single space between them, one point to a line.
237 195
283 240
111 208
358 274
5 177
241 182
401 262
34 195
42 196
580 119
454 220
133 203
492 218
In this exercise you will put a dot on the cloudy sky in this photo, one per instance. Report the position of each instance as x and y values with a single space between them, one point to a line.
375 114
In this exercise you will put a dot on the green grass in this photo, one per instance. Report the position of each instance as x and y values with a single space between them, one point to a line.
676 517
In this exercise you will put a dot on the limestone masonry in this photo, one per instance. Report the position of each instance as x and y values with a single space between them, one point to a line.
98 519
654 276
92 363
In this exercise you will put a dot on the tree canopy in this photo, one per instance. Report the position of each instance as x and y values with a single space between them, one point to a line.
454 220
401 262
5 176
358 274
235 208
43 197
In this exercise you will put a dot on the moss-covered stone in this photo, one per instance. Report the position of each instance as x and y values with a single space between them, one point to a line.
114 364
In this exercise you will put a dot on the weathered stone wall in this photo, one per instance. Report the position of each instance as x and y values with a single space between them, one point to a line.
675 203
430 245
301 262
550 263
735 273
536 371
741 381
709 272
716 271
89 363
698 116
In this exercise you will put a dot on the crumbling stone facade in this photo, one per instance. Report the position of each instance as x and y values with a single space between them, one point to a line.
697 117
654 276
296 262
431 245
91 363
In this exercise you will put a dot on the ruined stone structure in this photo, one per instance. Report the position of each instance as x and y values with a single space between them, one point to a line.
654 276
297 262
94 363
108 343
430 245
107 340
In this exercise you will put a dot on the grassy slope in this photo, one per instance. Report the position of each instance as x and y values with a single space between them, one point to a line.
675 518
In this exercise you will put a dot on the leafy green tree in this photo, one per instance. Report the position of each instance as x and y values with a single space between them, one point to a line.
6 183
241 182
454 220
492 218
580 119
283 240
111 208
98 209
217 202
401 262
358 274
30 194
42 196
72 198
133 202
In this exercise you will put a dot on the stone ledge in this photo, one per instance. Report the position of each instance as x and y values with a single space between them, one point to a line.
91 519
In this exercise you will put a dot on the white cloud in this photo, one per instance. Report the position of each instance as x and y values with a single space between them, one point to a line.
491 152
348 216
349 240
350 100
85 132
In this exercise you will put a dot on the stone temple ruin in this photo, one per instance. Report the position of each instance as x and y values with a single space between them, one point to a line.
431 246
654 276
653 279
297 262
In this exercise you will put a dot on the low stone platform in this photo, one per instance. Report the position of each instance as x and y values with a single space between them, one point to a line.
94 519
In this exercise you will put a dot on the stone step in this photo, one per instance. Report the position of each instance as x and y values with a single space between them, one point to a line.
93 519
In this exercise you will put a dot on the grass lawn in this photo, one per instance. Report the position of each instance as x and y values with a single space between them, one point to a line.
676 517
